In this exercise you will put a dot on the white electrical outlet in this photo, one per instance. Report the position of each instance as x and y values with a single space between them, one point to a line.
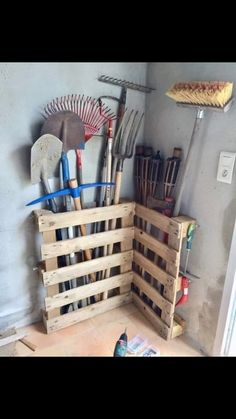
226 167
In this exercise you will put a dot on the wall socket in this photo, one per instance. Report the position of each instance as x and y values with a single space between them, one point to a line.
226 167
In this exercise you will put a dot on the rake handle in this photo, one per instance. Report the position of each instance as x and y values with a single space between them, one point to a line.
88 256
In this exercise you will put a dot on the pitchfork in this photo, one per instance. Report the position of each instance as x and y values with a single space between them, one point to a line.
123 147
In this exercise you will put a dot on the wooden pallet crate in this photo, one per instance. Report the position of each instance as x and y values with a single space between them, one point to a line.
125 284
52 275
156 284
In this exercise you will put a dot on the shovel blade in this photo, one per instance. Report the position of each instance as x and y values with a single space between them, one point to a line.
45 158
67 126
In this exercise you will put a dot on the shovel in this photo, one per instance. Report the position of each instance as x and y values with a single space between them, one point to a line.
45 159
75 132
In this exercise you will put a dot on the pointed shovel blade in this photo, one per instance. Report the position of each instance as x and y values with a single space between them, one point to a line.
67 126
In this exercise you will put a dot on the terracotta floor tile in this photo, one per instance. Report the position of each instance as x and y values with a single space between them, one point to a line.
55 350
142 324
87 344
98 336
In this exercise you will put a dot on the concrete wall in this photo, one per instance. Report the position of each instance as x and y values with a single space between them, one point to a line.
25 88
212 203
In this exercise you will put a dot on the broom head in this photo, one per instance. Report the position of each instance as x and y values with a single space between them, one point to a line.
205 93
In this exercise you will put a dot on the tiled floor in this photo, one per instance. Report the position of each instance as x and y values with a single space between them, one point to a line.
97 336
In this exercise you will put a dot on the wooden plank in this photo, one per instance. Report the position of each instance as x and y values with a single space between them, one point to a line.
88 290
85 268
51 264
180 320
164 223
184 220
29 344
12 338
170 293
163 330
161 249
177 330
162 276
126 244
65 247
86 216
87 312
153 293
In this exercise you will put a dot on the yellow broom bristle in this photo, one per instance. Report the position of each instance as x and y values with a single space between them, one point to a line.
208 93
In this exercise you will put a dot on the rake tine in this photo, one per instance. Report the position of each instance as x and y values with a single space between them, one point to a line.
91 113
82 106
68 103
77 105
86 109
52 107
47 110
72 103
55 105
59 104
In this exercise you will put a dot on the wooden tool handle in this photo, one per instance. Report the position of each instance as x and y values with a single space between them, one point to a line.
88 256
117 188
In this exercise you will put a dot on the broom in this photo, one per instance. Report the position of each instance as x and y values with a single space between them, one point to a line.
203 95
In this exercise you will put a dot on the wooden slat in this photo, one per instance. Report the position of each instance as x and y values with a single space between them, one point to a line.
148 266
65 247
163 330
184 220
92 215
126 244
153 293
161 249
51 264
12 338
85 268
180 320
177 330
88 290
170 293
158 220
87 312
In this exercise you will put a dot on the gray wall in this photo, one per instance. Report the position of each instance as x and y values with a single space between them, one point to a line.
212 203
25 88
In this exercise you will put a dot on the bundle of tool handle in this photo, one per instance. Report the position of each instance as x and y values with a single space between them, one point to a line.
155 180
147 172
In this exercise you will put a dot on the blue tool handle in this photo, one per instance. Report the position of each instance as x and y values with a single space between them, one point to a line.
74 192
61 192
65 167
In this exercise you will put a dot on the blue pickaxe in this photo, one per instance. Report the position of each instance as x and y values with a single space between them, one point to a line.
74 190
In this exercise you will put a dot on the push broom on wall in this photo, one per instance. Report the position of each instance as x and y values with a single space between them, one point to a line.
202 96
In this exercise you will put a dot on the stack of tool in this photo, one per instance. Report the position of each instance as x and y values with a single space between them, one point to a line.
70 121
149 169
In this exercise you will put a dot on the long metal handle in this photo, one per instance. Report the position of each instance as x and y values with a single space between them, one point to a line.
199 117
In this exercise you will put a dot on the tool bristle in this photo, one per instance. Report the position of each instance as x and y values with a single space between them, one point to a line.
206 93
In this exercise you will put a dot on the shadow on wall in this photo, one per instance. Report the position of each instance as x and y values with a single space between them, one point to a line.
35 130
20 158
208 316
228 225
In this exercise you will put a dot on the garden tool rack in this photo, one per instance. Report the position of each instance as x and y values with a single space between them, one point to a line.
125 283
